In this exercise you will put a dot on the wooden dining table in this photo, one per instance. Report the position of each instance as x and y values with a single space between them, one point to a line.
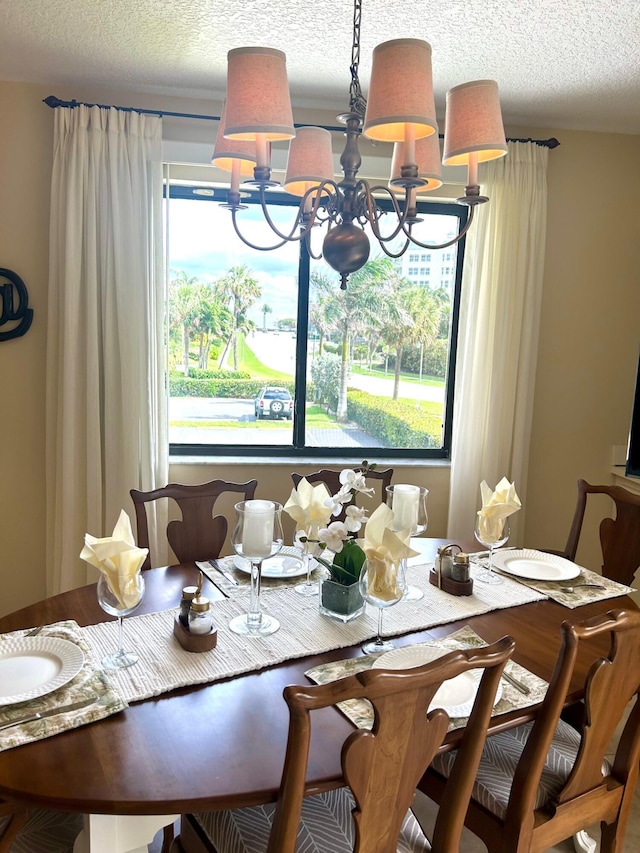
220 745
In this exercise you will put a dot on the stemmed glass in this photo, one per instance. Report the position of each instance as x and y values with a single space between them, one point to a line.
307 587
492 537
257 535
409 505
114 606
395 592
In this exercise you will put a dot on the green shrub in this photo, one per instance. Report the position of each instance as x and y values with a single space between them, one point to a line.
394 424
241 389
325 372
198 373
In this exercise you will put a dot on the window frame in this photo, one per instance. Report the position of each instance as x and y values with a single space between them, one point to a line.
212 193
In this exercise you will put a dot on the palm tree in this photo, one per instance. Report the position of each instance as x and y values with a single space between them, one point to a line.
266 309
182 310
238 290
412 318
350 312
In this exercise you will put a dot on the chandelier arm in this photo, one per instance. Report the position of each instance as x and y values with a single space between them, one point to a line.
248 242
451 242
399 253
374 213
291 237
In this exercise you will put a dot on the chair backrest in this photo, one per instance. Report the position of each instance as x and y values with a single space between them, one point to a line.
332 480
199 535
611 642
619 536
383 766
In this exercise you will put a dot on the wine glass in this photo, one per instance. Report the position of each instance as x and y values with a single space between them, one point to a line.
409 505
257 535
307 587
492 536
393 592
115 606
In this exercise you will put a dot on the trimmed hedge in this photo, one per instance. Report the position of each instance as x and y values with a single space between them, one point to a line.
241 389
395 424
198 373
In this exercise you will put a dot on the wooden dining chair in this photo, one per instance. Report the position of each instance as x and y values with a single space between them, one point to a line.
545 781
381 767
37 830
331 478
619 536
200 534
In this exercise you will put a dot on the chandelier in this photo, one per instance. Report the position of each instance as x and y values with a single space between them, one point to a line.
400 109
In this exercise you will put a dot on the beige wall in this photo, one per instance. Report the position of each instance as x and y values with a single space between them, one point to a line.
589 336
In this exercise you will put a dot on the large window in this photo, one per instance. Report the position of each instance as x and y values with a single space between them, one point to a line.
267 356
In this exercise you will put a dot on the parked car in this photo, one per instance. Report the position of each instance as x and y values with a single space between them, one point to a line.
274 403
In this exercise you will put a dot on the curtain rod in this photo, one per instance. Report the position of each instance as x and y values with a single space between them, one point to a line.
53 102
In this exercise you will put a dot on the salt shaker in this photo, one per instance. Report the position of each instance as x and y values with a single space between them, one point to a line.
460 567
200 620
188 594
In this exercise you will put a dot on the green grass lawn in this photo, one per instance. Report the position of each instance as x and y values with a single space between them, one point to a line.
432 381
248 361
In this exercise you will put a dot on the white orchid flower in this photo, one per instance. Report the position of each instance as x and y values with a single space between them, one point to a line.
334 535
334 503
356 517
354 481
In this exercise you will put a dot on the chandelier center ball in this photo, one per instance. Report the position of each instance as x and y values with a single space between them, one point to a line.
346 248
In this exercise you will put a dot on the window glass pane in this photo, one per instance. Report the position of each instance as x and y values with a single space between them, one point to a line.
373 363
377 353
233 320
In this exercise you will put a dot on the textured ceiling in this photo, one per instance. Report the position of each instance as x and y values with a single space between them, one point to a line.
559 63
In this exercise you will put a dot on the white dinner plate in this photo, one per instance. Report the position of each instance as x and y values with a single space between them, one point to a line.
535 565
34 666
286 564
456 695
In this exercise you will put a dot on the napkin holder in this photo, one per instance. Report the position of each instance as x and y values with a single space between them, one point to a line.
450 585
194 642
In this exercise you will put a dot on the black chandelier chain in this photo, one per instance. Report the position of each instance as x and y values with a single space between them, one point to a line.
357 101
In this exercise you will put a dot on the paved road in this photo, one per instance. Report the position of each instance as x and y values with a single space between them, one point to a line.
277 350
242 411
334 437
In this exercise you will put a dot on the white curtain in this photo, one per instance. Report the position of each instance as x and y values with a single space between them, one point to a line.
106 403
498 339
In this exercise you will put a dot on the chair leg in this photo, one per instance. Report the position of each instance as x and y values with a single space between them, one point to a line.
16 821
167 838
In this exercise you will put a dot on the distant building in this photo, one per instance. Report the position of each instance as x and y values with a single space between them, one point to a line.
432 268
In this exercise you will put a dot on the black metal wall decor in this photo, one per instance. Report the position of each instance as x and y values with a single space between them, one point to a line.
14 306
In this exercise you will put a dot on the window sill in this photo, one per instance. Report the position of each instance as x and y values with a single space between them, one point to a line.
298 461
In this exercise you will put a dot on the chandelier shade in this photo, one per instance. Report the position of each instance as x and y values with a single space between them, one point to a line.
227 151
428 162
310 160
401 92
258 99
474 124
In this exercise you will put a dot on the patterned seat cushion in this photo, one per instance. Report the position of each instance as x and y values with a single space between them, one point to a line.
46 831
326 826
500 758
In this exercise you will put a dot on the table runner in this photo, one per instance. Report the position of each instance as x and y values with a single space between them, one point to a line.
360 711
90 682
164 665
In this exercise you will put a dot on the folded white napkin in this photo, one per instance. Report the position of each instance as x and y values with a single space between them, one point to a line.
308 508
119 559
497 505
385 549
